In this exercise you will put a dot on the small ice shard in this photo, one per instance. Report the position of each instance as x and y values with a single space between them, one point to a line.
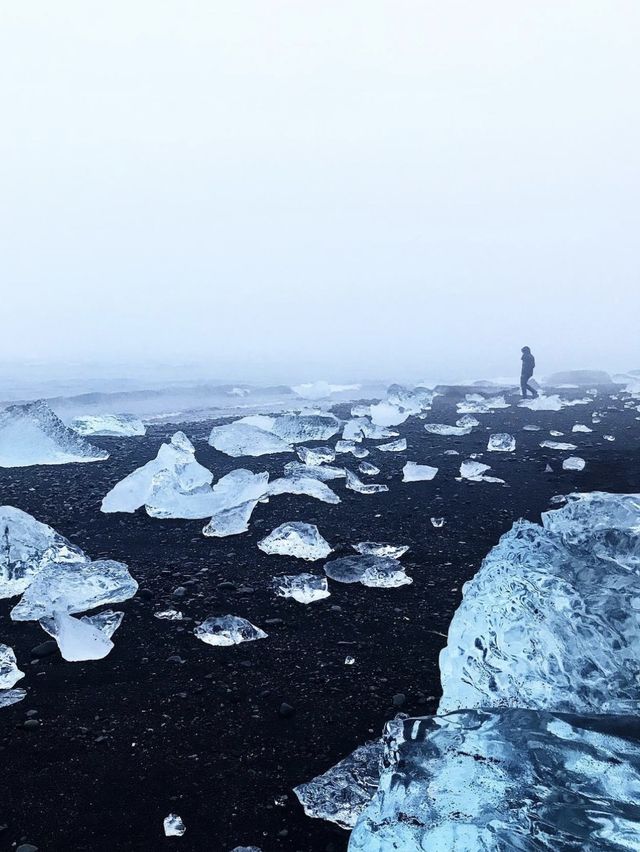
342 793
12 696
10 674
228 630
531 427
501 442
349 661
351 447
296 428
608 437
241 439
378 571
368 469
75 587
542 403
444 429
413 472
324 472
296 539
555 434
386 414
580 427
316 455
26 546
32 434
450 453
78 639
467 422
557 445
573 463
304 588
233 521
380 548
355 484
438 523
116 425
173 826
476 472
169 615
306 485
393 446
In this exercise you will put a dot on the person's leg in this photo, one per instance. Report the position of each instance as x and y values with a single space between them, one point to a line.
534 392
523 387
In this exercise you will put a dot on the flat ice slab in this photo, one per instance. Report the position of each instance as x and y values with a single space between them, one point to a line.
413 472
116 425
32 434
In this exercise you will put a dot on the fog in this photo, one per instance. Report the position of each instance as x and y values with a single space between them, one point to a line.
280 190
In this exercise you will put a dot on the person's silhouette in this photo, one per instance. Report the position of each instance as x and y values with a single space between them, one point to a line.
528 364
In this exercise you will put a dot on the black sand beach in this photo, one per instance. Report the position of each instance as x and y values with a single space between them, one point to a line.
168 724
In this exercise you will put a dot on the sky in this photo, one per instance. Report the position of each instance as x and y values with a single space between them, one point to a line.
339 189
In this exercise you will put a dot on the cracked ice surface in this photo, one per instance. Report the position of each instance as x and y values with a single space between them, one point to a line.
505 779
26 546
121 425
551 618
296 539
243 439
413 472
304 588
11 696
10 674
32 434
295 428
501 442
228 630
316 455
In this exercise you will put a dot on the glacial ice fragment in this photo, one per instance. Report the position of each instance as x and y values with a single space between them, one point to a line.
444 429
531 427
233 521
475 403
351 447
324 472
467 421
558 445
228 630
304 588
413 400
368 469
580 427
501 442
475 471
413 472
169 615
26 546
116 425
173 826
307 485
387 414
32 434
10 674
355 484
74 587
296 539
296 428
320 390
573 463
316 455
378 571
542 403
11 696
438 523
242 439
380 548
393 446
78 639
362 427
341 794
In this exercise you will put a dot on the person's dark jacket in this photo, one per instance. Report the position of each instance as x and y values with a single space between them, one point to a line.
528 363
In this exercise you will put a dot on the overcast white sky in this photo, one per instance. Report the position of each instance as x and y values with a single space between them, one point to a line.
332 189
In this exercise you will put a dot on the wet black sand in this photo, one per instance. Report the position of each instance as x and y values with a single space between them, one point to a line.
168 724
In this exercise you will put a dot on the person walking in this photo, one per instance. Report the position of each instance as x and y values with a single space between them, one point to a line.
528 365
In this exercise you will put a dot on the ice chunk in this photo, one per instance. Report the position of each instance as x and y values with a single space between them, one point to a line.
10 674
78 639
26 546
413 472
117 425
341 794
296 539
387 414
557 445
573 463
580 427
467 422
501 442
379 548
228 630
307 485
31 434
507 779
476 472
608 437
296 428
355 484
438 523
169 615
413 400
475 403
379 571
11 696
443 429
304 588
351 447
74 587
325 473
349 660
246 849
173 826
242 439
233 521
316 455
531 427
542 403
362 427
368 469
555 434
393 446
551 618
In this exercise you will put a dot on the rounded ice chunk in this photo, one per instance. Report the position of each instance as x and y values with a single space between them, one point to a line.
573 463
501 442
296 539
228 630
